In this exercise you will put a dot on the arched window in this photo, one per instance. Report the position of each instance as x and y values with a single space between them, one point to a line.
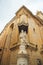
39 62
34 29
12 25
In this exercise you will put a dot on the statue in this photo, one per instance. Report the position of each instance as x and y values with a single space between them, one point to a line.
22 36
22 42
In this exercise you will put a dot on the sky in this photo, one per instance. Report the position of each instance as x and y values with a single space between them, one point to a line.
8 8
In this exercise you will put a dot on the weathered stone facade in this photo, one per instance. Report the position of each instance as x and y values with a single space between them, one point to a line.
10 41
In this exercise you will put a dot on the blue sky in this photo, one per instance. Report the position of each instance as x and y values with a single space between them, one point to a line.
8 8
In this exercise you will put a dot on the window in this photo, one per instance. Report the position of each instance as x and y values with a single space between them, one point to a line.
34 29
39 62
0 50
12 25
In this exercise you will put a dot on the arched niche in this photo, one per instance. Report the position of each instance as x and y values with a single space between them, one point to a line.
23 26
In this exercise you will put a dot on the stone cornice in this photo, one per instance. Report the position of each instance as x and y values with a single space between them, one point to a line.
31 46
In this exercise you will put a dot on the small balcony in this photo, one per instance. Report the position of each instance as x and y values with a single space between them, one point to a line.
33 46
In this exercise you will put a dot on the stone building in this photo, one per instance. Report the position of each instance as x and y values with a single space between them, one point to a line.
21 41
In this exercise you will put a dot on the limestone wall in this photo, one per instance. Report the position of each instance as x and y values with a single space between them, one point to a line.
10 38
